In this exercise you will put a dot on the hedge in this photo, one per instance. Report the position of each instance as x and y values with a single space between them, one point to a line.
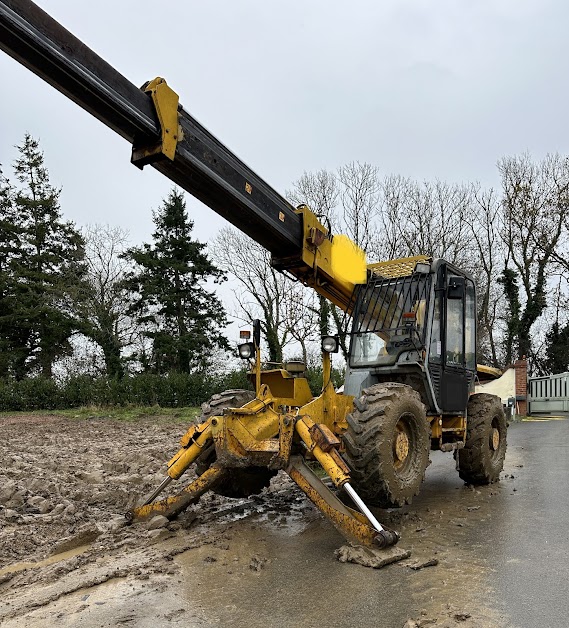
173 390
169 391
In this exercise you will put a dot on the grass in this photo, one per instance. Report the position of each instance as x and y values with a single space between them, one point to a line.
127 413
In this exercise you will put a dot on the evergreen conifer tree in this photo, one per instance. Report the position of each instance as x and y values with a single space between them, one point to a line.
45 266
184 320
557 349
10 352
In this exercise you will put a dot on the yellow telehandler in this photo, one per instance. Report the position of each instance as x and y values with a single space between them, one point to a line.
412 359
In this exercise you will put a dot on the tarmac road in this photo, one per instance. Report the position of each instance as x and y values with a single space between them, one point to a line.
531 540
524 538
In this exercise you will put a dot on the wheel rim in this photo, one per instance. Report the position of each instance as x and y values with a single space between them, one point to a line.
495 437
402 445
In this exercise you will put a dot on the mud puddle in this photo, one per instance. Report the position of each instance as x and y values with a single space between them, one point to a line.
264 576
16 567
118 602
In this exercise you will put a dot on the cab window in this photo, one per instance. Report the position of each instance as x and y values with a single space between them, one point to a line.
470 326
454 351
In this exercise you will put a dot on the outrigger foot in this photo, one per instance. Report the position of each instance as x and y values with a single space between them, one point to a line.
370 556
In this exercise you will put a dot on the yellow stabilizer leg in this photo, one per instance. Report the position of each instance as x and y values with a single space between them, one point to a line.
322 443
171 507
351 524
367 546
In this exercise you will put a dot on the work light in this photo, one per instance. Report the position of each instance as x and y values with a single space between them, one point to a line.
246 350
330 344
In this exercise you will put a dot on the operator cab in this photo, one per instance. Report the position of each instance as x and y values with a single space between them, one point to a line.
416 323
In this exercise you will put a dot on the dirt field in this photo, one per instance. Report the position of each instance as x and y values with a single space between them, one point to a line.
67 557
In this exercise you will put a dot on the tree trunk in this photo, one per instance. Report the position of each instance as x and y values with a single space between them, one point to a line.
113 362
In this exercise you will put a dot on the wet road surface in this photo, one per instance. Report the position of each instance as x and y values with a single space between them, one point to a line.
531 538
502 551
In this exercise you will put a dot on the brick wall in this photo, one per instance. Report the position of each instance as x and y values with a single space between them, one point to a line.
521 367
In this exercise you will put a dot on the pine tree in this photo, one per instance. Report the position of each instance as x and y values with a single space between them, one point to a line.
184 320
45 268
10 351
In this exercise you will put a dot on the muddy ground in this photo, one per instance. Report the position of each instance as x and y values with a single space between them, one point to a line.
67 558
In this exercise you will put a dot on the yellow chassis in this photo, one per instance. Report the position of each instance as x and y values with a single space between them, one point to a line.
282 419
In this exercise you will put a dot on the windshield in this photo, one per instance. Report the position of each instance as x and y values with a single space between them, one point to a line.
389 318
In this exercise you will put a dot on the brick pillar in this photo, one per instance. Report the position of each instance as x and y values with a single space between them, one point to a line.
521 367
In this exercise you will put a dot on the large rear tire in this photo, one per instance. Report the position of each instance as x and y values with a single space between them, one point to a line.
387 444
241 482
482 458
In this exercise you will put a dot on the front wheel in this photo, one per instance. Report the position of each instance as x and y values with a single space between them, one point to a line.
482 459
387 444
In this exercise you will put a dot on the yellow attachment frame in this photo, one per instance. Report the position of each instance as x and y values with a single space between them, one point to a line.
265 432
166 102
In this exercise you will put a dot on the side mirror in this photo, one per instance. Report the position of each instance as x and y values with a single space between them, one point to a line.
456 288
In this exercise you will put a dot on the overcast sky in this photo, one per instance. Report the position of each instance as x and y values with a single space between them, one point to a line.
420 88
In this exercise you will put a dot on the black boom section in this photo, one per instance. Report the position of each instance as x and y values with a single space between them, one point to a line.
41 44
203 166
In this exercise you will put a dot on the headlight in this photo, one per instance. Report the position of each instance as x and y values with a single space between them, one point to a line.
330 344
246 350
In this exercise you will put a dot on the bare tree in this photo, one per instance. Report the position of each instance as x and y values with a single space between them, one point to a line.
302 317
536 206
103 301
356 188
263 292
485 223
360 197
395 192
319 190
425 218
348 199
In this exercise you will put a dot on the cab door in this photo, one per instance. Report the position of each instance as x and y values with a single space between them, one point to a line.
455 380
452 354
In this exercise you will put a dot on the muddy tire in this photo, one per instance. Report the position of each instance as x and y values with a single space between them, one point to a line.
482 459
387 444
241 482
215 405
